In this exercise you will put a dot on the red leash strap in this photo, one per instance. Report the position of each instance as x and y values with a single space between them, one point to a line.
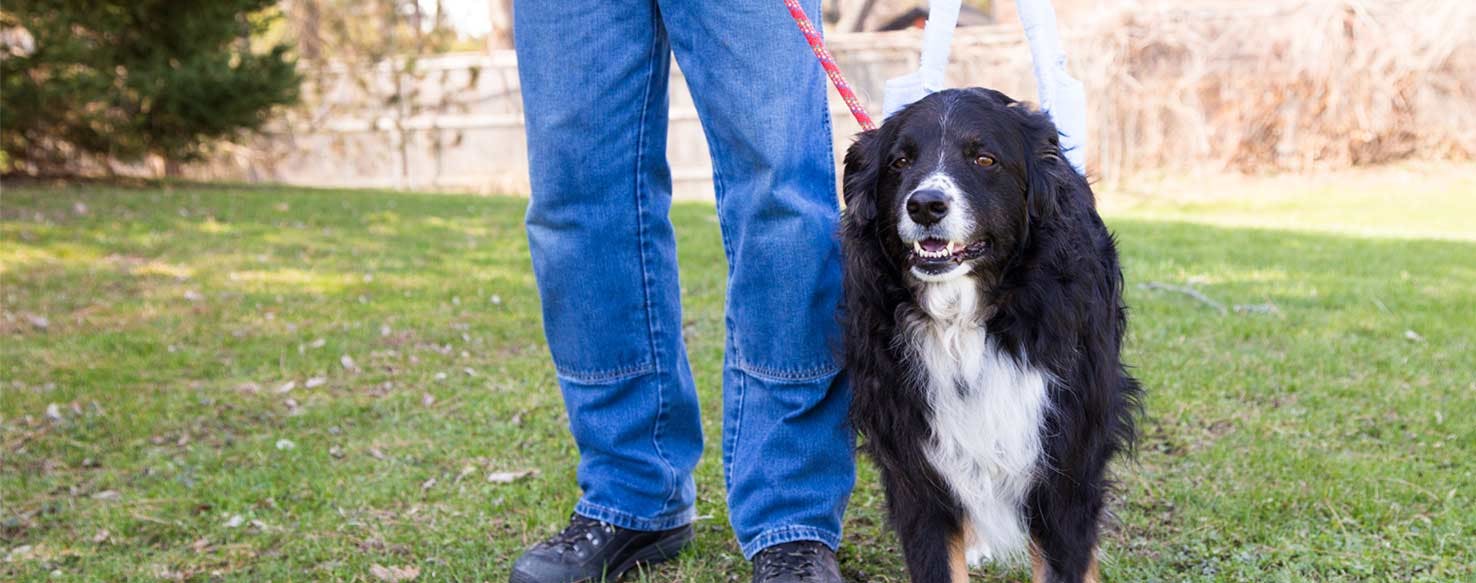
828 63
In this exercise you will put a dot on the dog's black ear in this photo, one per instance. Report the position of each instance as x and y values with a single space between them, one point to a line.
995 96
1045 168
863 168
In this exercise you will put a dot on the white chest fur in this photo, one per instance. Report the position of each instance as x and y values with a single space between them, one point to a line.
987 415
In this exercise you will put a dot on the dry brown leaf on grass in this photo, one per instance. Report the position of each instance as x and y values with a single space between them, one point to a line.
510 477
39 322
20 553
394 574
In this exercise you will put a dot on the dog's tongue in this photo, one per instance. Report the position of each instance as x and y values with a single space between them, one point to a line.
933 245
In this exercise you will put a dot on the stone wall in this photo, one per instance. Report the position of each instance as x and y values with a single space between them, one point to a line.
464 128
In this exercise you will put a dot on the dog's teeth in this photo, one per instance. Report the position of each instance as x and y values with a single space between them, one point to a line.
955 247
917 248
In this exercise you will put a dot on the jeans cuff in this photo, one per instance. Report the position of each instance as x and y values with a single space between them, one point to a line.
788 534
626 520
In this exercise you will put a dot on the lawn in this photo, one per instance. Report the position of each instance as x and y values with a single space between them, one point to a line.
239 383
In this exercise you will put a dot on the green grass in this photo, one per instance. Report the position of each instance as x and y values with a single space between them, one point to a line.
1424 200
1329 437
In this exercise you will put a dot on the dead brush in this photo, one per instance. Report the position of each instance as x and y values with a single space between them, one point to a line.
1212 86
1287 86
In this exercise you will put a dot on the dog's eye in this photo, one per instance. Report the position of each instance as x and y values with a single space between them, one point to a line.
984 161
901 163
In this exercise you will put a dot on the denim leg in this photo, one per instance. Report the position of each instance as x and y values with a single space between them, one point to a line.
787 448
594 82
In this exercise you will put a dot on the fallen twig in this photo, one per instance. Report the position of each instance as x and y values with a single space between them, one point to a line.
1266 308
1188 291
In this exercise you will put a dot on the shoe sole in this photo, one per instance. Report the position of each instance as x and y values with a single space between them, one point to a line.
660 552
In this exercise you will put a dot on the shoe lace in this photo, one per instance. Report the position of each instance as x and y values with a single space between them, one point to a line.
789 559
581 532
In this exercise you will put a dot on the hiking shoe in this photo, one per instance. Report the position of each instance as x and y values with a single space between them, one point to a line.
796 562
589 550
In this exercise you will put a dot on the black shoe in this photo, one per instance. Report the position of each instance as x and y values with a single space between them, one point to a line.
594 551
797 562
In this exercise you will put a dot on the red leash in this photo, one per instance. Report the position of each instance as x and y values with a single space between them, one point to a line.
828 63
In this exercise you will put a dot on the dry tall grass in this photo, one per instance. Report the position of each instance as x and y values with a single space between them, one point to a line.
1175 87
1278 86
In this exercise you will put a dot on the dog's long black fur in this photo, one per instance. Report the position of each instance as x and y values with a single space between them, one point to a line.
1055 298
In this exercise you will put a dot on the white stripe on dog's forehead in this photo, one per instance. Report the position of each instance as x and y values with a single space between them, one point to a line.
943 131
940 181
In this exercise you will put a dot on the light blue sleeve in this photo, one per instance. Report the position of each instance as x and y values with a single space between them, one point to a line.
1060 94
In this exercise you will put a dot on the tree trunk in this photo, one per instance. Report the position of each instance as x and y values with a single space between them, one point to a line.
500 37
304 16
853 14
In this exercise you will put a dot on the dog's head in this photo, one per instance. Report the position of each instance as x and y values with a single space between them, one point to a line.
952 184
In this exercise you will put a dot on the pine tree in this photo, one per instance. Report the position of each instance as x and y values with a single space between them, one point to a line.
122 79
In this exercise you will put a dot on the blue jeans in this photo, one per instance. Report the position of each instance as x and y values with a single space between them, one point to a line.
594 81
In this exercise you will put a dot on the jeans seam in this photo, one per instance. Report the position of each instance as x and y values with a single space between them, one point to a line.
602 376
834 201
643 244
814 373
624 519
824 107
729 451
718 194
789 533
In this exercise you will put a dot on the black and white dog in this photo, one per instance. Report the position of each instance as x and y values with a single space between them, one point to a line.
984 320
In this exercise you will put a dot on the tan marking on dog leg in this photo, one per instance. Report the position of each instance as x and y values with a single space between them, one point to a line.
958 546
1093 575
1038 569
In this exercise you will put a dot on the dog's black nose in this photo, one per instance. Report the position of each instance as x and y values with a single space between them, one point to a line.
927 206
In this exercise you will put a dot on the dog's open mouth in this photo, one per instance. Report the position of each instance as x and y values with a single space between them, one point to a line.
938 254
